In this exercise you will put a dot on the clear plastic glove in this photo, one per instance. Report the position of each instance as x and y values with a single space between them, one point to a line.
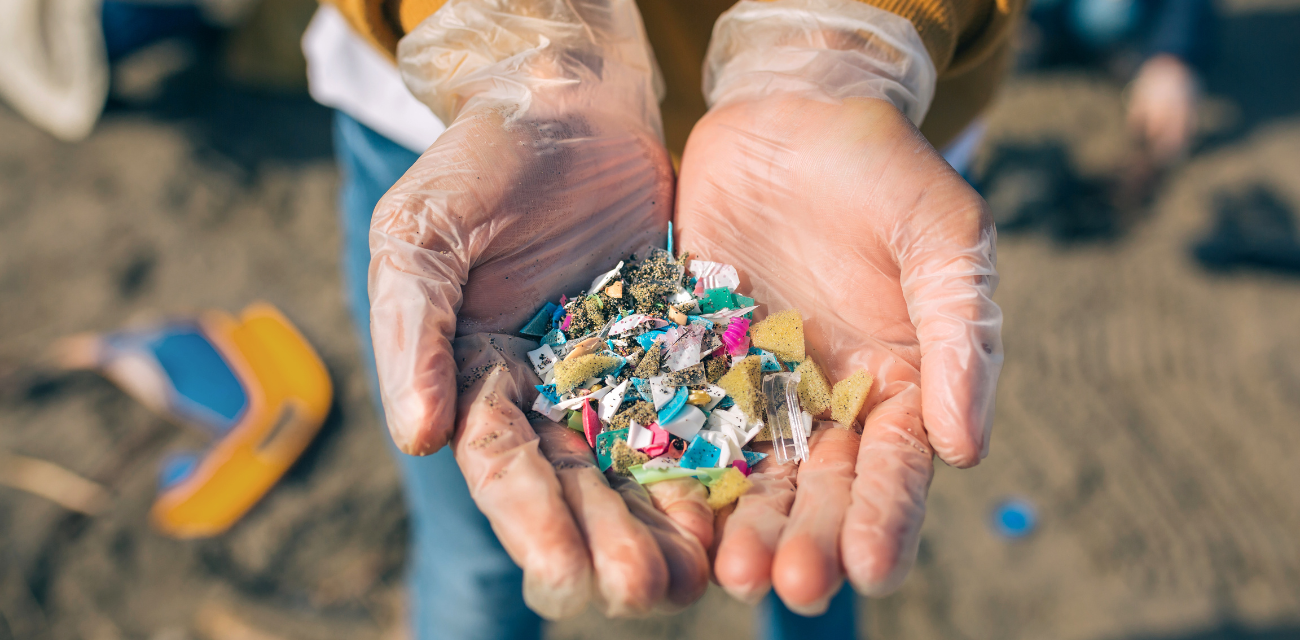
552 169
1162 107
807 175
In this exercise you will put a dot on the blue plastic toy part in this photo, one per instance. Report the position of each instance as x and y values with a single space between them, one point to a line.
207 389
701 454
1014 518
175 468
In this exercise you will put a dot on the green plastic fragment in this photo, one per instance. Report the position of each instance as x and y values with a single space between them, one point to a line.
575 421
605 446
715 300
742 302
651 476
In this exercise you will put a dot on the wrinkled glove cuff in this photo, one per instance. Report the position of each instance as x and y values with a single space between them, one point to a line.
826 49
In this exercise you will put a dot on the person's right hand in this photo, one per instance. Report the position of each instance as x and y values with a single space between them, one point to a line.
551 171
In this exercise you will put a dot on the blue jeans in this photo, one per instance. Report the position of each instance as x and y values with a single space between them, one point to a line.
462 583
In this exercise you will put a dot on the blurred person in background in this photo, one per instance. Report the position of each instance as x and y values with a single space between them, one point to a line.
1160 47
525 146
56 55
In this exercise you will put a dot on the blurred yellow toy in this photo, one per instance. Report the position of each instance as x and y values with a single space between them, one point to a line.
252 382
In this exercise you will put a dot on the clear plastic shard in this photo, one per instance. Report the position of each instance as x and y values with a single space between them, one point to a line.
715 274
785 418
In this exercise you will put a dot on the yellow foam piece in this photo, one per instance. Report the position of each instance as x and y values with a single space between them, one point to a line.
728 488
744 383
782 334
849 395
814 390
571 373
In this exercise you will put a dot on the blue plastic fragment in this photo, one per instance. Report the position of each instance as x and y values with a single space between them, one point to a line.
1014 518
674 406
767 358
726 403
537 326
176 468
548 390
556 313
554 338
647 339
670 237
701 454
753 457
643 389
703 322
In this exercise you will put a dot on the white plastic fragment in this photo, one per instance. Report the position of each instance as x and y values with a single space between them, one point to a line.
545 407
599 282
613 399
684 347
726 445
576 401
727 314
638 437
543 359
661 391
686 423
662 463
715 274
716 394
629 323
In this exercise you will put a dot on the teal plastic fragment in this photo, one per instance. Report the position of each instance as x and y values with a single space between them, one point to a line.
753 457
643 389
715 300
670 237
647 339
548 390
770 363
605 446
554 338
742 302
701 453
540 322
674 406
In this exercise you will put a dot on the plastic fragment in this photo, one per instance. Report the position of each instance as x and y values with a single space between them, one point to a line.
647 339
683 347
548 390
568 320
591 424
677 316
689 377
713 275
685 423
615 290
613 400
744 302
701 453
736 337
742 467
544 406
576 401
586 346
650 476
770 363
574 421
752 458
605 446
541 320
639 437
715 300
698 398
728 447
629 323
659 441
744 384
814 390
554 338
728 488
543 359
603 278
785 418
661 391
716 395
571 373
727 314
782 334
848 396
673 406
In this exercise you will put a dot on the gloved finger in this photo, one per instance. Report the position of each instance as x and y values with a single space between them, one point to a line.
631 575
686 501
882 526
948 275
688 564
749 531
511 482
806 572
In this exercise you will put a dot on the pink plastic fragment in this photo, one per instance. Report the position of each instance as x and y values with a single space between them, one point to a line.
736 338
563 299
699 289
742 466
590 423
568 320
658 442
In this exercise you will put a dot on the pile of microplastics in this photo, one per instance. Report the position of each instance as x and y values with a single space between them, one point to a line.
660 365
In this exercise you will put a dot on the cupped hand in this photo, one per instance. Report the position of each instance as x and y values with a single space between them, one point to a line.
842 210
551 171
